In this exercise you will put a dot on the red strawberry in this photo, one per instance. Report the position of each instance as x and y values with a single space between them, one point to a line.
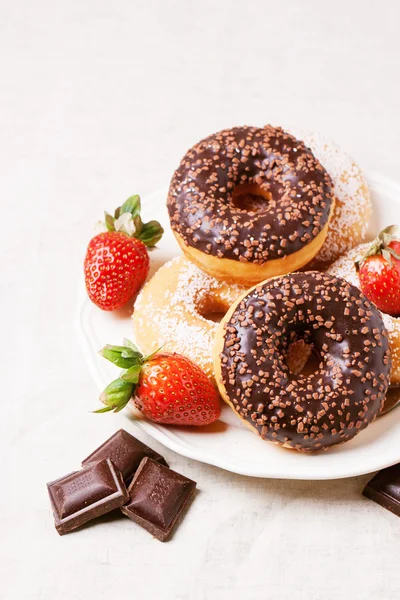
173 390
379 271
116 267
166 388
117 263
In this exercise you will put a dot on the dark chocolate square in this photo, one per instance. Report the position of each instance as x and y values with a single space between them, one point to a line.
125 451
84 495
384 489
158 497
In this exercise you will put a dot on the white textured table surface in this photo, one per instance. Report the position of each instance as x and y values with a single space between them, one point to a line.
99 100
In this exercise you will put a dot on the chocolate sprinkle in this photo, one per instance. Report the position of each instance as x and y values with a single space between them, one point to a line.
343 395
297 190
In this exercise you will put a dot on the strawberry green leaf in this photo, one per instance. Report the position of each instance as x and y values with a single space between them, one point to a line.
387 256
151 233
131 374
121 356
109 220
131 345
374 249
393 253
124 348
102 410
118 409
132 205
137 221
390 233
117 394
128 353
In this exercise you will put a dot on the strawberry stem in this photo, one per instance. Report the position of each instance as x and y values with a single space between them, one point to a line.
150 356
380 245
131 223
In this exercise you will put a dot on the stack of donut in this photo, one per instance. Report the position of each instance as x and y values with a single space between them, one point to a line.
249 207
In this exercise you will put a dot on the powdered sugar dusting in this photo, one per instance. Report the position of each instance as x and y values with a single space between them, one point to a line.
168 311
350 218
345 267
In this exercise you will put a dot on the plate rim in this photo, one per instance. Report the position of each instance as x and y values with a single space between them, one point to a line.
161 433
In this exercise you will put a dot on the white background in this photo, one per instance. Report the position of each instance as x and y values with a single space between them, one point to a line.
99 100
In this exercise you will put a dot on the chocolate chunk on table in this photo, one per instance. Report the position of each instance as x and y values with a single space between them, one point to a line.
84 495
125 451
384 489
158 497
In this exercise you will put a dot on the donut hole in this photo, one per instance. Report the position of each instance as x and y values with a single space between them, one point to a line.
212 309
250 198
302 358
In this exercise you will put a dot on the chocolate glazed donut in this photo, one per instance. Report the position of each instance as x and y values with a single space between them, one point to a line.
305 412
278 229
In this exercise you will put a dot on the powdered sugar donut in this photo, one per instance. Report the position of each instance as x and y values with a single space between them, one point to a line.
349 223
345 267
179 308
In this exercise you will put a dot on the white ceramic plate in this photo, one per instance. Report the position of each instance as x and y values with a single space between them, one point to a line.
228 443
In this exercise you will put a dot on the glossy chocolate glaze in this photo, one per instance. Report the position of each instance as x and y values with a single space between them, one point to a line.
201 203
347 390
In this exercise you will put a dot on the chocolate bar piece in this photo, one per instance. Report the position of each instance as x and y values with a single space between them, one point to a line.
84 495
384 489
125 451
158 497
